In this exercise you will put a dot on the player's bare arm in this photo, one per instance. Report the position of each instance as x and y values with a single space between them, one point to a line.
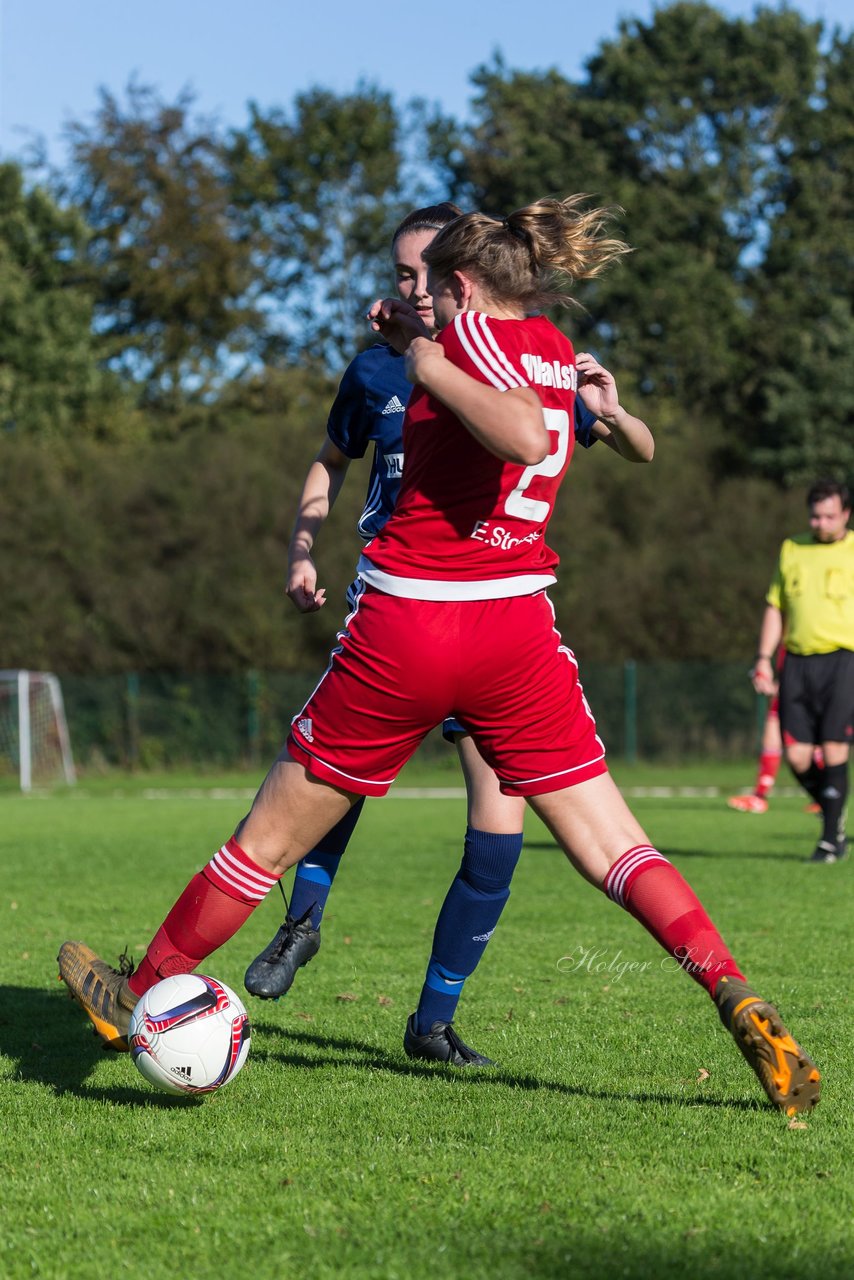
770 634
621 431
509 424
322 486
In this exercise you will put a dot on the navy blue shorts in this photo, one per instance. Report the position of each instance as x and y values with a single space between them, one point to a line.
452 729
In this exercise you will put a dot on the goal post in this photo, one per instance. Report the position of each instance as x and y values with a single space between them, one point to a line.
34 740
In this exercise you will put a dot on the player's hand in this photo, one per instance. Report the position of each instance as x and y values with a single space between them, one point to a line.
397 321
302 587
422 356
597 386
762 677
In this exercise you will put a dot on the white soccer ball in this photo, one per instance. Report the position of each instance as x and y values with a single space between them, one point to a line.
189 1034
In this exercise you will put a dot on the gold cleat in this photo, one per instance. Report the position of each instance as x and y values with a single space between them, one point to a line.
103 992
789 1077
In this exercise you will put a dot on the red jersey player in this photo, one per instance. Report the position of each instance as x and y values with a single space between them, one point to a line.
455 618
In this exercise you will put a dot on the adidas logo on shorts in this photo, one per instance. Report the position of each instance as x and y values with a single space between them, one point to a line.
305 727
394 406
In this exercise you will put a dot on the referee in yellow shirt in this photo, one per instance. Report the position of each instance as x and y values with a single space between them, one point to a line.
811 603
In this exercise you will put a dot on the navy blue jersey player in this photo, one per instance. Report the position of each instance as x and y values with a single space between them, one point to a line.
368 411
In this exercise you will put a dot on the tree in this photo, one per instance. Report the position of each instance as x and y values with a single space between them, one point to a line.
50 383
727 142
165 554
800 403
173 272
322 190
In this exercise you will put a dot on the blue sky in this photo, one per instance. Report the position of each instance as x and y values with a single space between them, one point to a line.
54 54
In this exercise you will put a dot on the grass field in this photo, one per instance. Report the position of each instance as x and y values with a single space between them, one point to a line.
622 1135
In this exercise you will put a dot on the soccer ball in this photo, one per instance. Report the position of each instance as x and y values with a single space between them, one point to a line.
189 1034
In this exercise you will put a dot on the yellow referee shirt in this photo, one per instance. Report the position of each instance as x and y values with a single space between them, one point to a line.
814 590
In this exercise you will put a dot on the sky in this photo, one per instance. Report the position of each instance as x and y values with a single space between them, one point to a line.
56 54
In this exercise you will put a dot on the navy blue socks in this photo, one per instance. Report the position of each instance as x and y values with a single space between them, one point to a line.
317 870
466 922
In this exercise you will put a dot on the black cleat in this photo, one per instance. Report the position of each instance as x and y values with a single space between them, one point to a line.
441 1044
272 973
830 851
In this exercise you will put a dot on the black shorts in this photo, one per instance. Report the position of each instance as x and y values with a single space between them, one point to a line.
817 697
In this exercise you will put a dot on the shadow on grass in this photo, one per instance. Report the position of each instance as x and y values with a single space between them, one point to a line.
47 1036
344 1052
765 854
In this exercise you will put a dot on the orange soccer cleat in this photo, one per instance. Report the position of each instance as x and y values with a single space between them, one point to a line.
103 992
748 804
789 1077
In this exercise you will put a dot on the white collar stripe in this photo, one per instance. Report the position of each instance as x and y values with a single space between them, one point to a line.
482 335
489 336
478 331
490 373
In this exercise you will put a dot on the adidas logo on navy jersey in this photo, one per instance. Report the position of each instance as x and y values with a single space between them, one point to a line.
394 406
305 727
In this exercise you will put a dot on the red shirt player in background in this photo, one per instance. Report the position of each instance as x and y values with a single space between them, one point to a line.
455 619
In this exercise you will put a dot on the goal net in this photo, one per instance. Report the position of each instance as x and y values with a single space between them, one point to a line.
34 742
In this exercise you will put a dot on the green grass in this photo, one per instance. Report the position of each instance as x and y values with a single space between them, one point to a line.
596 1150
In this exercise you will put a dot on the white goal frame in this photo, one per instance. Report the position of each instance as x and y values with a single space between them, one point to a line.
34 748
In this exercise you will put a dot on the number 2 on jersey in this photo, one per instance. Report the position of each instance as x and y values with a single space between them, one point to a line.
524 508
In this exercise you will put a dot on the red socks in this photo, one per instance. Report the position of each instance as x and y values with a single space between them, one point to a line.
653 891
219 899
769 767
211 909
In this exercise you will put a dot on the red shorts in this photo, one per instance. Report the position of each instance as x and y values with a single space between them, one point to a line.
402 666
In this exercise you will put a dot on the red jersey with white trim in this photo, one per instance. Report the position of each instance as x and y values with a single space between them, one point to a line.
468 525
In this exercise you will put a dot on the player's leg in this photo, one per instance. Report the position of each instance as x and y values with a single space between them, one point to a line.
799 724
592 823
471 910
289 815
834 692
770 758
297 940
540 734
333 755
817 707
607 845
833 845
